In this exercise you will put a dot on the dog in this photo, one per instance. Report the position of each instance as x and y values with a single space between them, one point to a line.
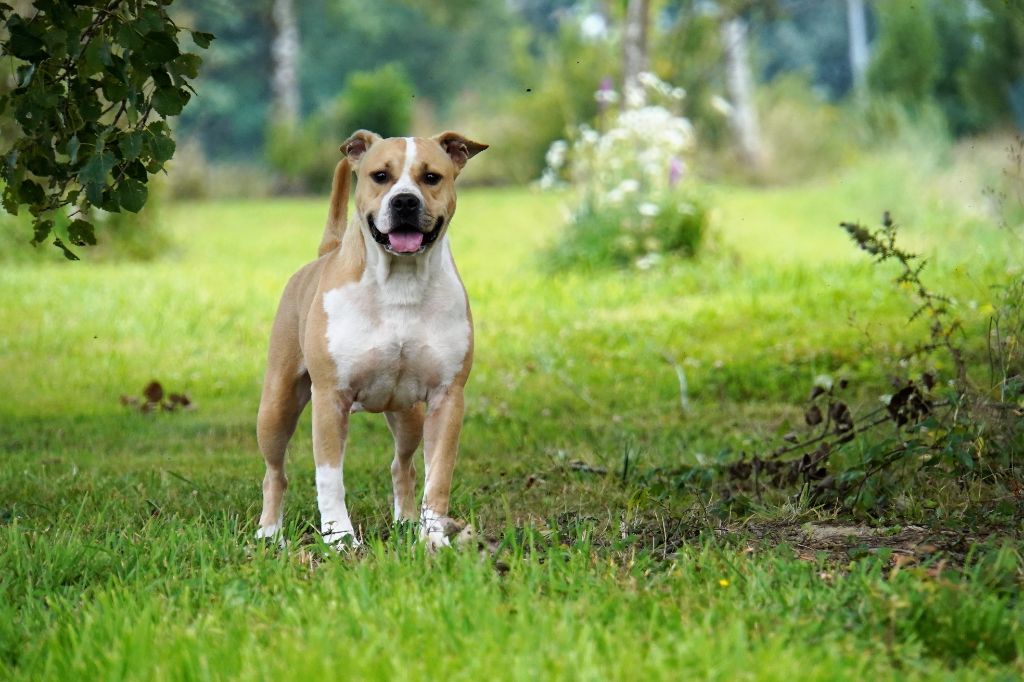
380 322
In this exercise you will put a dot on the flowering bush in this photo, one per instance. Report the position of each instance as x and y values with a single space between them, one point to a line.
635 203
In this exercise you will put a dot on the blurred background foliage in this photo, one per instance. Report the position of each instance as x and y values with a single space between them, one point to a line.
521 74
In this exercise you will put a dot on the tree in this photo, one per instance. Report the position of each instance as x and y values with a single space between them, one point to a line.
907 61
856 22
634 50
95 82
992 79
739 84
286 64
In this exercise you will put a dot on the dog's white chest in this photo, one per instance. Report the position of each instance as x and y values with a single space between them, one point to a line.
390 353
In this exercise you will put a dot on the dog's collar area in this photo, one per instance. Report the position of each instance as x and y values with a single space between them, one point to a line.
385 241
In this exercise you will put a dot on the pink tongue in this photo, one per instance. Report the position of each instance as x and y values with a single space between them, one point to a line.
405 242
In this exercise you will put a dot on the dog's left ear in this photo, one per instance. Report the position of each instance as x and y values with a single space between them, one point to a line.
459 148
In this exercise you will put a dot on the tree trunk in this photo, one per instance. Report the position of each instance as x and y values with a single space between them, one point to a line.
634 51
285 52
740 86
858 44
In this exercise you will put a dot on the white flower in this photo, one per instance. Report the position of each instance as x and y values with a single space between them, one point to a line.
635 97
648 209
721 105
648 261
556 154
629 185
594 26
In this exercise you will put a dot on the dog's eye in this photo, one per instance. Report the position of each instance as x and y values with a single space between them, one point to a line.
380 177
432 178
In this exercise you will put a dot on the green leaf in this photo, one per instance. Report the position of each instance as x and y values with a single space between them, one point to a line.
128 37
56 40
187 65
114 89
159 47
25 73
136 169
131 194
31 193
201 39
41 229
68 253
10 200
81 233
95 56
23 43
161 78
160 144
150 19
130 144
94 175
73 147
170 101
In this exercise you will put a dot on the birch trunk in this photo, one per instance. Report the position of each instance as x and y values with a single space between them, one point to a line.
858 44
634 51
285 53
740 85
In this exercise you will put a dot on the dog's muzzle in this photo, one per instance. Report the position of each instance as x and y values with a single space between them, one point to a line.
412 231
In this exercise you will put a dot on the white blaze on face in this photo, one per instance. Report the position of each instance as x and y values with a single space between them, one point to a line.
405 185
335 524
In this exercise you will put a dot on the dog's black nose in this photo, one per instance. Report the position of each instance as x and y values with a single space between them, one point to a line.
405 204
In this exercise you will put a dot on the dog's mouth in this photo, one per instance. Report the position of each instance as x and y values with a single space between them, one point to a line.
405 240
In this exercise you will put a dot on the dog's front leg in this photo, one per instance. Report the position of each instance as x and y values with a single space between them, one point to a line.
441 445
407 429
330 431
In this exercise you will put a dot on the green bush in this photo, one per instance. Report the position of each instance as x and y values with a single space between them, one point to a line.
907 61
379 100
554 93
636 202
305 155
629 235
804 136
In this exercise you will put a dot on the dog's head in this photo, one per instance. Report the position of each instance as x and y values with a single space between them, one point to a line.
405 191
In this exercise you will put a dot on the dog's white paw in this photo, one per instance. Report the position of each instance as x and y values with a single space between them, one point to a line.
439 531
341 540
271 533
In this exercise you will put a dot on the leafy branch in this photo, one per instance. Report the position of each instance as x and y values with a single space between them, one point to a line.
90 78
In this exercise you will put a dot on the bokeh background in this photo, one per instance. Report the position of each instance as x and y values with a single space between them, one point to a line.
823 81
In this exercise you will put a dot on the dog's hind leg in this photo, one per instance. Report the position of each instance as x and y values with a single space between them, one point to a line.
286 390
407 429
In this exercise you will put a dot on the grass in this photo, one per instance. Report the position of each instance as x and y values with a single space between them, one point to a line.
125 548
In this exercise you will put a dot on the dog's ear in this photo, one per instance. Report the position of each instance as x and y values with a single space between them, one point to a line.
355 146
458 147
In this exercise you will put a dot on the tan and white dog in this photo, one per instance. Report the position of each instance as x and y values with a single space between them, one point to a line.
379 322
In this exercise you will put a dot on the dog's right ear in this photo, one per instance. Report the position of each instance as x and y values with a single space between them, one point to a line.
355 146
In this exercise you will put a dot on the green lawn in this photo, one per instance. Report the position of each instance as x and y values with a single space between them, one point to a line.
125 539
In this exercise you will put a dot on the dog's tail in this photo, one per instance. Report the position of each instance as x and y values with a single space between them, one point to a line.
337 214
